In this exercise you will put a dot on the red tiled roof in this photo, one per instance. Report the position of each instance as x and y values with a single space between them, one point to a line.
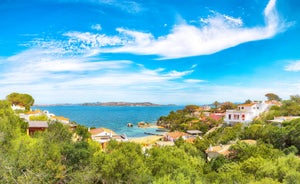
247 105
96 131
217 116
176 135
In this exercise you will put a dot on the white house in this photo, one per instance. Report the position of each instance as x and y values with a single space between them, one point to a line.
17 107
104 135
48 114
245 113
28 114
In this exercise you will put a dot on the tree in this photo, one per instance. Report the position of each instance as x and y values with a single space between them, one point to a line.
248 101
295 98
192 108
216 104
25 100
272 96
228 105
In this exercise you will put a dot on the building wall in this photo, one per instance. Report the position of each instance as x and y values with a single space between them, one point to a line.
245 114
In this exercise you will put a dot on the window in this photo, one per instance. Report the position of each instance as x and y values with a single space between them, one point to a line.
229 116
243 116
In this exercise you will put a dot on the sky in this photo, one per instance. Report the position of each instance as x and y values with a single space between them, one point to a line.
160 51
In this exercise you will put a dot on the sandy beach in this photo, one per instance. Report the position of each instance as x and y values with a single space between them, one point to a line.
146 140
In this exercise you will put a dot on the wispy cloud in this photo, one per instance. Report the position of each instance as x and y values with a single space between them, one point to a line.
62 75
216 33
128 6
219 32
193 81
97 27
294 66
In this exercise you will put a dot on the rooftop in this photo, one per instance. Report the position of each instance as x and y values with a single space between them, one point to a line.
96 131
38 124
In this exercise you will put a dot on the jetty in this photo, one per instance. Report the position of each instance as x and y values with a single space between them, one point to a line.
150 133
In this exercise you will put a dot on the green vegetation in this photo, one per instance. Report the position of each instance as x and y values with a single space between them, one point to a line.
272 96
20 99
42 117
190 118
53 157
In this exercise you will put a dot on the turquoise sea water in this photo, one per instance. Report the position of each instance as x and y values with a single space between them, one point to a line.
114 118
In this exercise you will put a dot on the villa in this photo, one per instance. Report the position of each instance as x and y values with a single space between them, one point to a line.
281 119
173 136
215 151
17 107
104 135
34 126
245 113
29 114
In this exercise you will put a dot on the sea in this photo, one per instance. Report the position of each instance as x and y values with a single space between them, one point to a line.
115 118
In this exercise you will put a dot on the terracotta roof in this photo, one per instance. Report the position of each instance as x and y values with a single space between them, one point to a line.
60 118
96 131
217 116
176 135
224 149
247 105
37 124
33 112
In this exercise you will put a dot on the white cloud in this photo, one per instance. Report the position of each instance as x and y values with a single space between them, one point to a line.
193 81
97 27
194 66
293 66
219 32
58 77
88 40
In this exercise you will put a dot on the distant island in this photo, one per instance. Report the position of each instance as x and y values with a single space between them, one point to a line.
132 104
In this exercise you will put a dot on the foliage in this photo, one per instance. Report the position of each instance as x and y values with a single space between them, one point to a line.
272 96
25 100
52 157
228 105
42 117
83 132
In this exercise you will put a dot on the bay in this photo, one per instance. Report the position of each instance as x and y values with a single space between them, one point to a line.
113 117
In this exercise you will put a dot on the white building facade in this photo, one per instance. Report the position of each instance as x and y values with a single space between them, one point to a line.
245 113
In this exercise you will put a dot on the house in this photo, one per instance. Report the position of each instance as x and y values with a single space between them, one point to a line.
28 114
48 114
173 136
280 119
245 113
215 151
103 135
18 107
34 126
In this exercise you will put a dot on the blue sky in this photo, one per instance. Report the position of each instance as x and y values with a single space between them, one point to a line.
162 51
